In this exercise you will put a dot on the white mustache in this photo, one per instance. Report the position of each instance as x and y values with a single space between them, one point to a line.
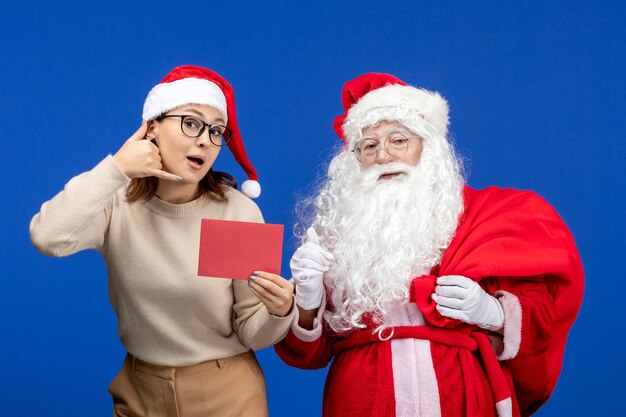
374 172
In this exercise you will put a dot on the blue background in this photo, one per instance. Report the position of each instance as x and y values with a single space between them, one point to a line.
537 95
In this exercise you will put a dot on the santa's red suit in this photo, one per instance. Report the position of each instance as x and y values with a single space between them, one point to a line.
520 251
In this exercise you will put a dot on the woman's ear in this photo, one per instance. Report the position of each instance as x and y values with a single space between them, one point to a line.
151 132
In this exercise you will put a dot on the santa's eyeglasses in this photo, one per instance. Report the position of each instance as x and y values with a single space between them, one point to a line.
366 150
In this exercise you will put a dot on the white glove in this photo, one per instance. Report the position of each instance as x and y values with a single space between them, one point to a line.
308 265
461 298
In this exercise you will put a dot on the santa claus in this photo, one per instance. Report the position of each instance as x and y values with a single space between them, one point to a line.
430 298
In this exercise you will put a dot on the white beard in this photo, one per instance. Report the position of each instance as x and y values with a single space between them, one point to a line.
383 233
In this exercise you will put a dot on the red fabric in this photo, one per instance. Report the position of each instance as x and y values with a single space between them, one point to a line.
507 240
473 340
519 238
353 90
360 381
305 355
235 144
445 337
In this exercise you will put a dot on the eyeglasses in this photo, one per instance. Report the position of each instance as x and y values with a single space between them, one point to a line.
366 150
193 127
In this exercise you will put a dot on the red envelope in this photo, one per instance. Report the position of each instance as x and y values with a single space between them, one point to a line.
230 249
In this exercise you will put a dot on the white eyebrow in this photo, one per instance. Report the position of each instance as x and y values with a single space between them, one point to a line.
397 130
389 133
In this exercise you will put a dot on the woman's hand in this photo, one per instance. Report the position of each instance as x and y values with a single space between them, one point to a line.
139 158
274 291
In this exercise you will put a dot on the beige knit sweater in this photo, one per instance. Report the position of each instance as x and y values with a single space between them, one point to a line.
167 314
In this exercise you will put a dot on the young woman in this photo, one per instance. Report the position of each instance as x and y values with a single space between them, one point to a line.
188 338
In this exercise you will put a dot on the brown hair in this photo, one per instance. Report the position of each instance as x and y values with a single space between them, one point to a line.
214 185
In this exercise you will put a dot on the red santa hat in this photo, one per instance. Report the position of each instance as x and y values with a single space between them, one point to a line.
374 96
190 84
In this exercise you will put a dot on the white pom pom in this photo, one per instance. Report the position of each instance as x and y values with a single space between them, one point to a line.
251 188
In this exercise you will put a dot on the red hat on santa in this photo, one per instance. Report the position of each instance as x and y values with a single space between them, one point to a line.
375 96
191 84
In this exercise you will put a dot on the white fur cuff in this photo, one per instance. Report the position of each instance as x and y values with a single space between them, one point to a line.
512 325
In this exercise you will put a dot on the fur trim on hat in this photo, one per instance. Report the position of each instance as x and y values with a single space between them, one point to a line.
165 97
396 102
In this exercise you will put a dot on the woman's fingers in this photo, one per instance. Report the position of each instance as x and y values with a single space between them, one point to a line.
274 291
277 306
165 175
154 150
273 278
268 288
139 158
262 287
139 134
260 293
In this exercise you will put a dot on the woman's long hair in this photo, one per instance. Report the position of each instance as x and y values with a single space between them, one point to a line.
214 185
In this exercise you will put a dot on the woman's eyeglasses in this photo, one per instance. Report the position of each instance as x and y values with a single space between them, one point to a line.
193 127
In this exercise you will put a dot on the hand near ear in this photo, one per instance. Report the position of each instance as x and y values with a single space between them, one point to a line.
139 158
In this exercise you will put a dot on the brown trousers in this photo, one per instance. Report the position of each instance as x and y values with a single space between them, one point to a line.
225 387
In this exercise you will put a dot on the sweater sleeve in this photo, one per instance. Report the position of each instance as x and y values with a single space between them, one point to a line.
77 218
256 327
